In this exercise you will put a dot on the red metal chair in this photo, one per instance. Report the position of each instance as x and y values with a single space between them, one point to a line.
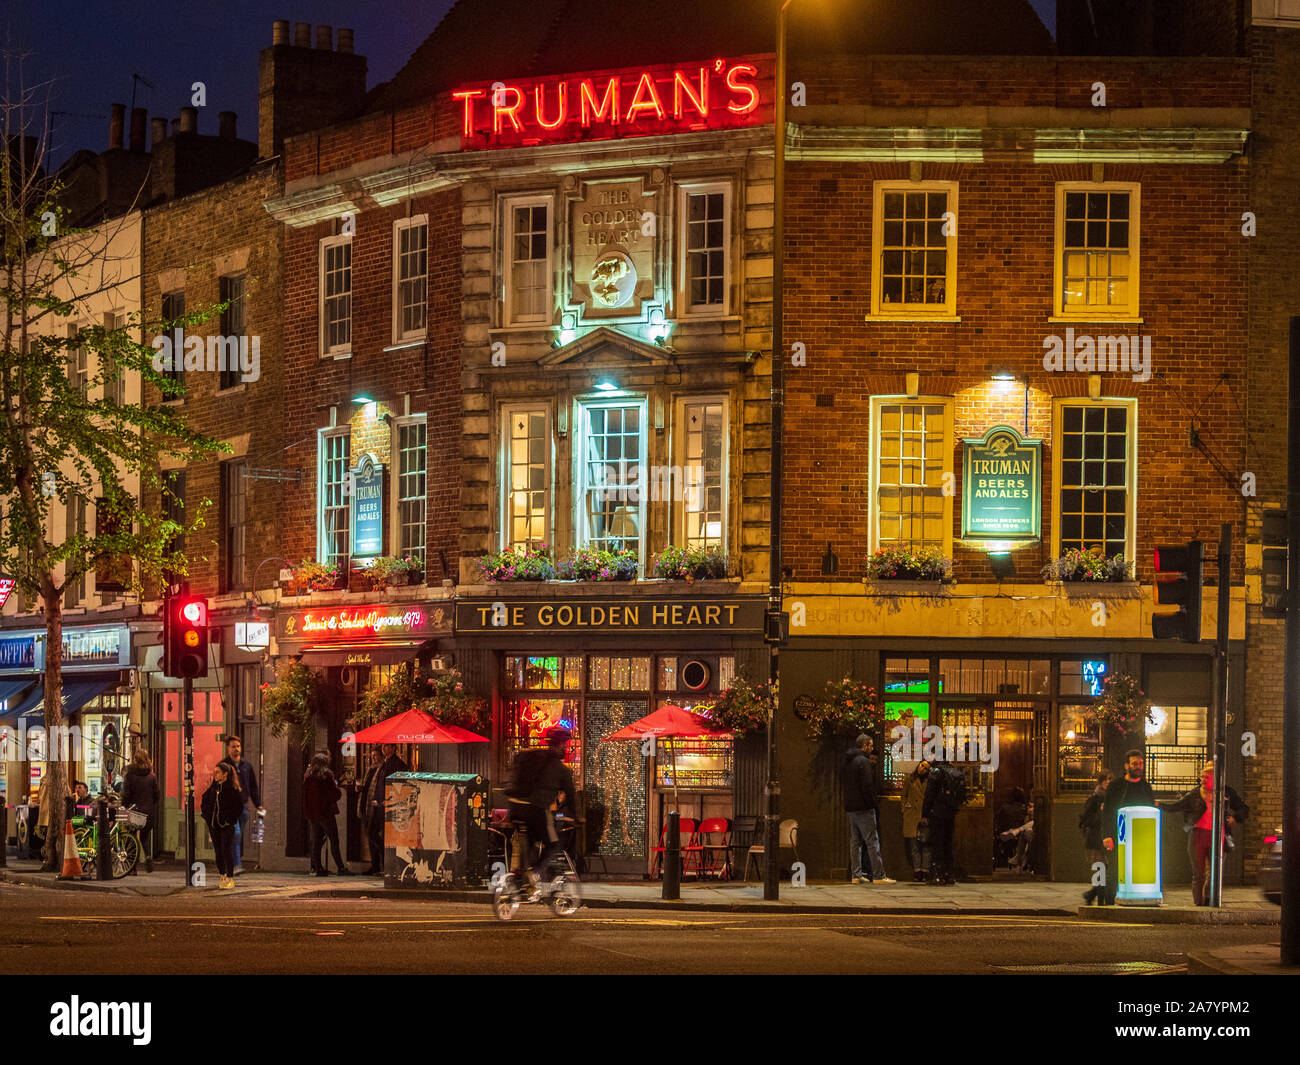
686 833
715 847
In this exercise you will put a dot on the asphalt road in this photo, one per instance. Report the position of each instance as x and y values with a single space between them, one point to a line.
68 932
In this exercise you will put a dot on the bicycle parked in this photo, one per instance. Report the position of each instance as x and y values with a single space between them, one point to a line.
123 841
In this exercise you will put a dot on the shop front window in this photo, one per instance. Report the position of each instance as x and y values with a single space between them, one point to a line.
1079 749
1177 746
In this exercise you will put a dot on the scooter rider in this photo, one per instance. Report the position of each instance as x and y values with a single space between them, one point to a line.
540 781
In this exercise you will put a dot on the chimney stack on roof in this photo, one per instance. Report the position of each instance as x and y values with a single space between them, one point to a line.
189 120
226 125
139 123
302 34
345 41
280 31
116 123
157 132
325 38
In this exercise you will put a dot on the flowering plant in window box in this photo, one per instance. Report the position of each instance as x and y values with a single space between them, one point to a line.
740 709
847 709
595 564
905 564
316 576
290 704
1090 565
690 564
390 571
1122 704
525 562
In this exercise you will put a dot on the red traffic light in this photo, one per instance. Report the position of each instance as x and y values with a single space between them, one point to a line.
195 611
185 637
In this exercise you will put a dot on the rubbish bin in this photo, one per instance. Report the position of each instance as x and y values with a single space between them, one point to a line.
1138 856
435 831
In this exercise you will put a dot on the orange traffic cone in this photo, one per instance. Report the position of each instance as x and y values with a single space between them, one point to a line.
71 859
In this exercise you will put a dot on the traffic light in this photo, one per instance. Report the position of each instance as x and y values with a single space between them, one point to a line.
185 637
1183 565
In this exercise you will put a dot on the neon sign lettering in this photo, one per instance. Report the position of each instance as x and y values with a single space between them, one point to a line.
372 622
626 103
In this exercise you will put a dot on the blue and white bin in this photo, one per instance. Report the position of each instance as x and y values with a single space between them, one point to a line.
1137 844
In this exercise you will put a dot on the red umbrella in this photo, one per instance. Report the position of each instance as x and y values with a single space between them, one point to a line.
415 726
668 721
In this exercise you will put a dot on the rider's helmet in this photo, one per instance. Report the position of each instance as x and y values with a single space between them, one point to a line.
558 737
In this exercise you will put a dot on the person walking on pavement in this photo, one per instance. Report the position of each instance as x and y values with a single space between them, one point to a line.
945 791
916 836
862 804
377 789
1197 808
221 805
140 789
247 779
1090 824
1131 789
320 806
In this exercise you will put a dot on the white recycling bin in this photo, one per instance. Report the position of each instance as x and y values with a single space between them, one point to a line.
1137 842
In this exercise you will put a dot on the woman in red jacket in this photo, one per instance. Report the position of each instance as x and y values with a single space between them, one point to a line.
320 805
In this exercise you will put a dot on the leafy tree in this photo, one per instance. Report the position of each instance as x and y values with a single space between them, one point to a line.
66 440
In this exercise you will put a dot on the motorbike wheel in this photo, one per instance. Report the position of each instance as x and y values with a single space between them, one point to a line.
566 895
505 898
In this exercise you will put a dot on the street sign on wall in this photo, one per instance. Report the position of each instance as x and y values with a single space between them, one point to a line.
1002 485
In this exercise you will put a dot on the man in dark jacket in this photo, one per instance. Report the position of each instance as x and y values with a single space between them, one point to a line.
248 788
861 803
140 789
539 783
378 789
1131 789
944 793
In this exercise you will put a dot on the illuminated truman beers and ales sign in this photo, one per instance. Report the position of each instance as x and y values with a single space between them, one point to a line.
639 102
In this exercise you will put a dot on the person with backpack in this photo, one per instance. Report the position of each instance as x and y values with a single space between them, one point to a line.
1090 825
944 794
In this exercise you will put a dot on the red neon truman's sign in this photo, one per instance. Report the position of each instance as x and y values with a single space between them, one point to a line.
641 102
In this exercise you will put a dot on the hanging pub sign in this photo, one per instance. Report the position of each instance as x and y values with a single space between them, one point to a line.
712 94
6 588
1002 485
368 508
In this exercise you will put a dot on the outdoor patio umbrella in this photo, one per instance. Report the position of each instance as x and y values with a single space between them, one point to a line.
668 722
415 726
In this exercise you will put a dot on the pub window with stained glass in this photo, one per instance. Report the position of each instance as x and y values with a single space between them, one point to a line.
1094 497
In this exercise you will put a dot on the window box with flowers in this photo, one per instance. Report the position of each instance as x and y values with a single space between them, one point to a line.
527 562
741 709
391 572
290 704
845 710
1088 567
594 564
690 564
905 564
312 576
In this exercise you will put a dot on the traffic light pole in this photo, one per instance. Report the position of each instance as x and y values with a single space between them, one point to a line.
188 711
1215 886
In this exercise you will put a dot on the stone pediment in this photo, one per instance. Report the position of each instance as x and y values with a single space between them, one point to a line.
606 347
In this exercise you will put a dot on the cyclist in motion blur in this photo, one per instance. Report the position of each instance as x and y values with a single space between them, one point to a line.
540 783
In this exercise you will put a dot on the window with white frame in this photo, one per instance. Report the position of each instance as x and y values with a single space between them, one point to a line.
611 449
335 452
702 431
913 450
336 295
527 271
410 277
705 242
1094 496
1097 250
412 467
914 248
526 477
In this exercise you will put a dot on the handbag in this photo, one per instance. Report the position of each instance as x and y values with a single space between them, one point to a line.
923 834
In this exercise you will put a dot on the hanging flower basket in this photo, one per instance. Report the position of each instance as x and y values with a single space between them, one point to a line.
740 709
1122 704
443 698
847 709
292 701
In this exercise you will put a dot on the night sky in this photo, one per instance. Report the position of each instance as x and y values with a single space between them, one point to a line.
81 56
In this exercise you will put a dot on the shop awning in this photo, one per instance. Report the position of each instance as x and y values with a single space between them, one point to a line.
359 655
11 691
77 692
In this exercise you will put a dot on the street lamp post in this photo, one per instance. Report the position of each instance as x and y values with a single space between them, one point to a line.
775 628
